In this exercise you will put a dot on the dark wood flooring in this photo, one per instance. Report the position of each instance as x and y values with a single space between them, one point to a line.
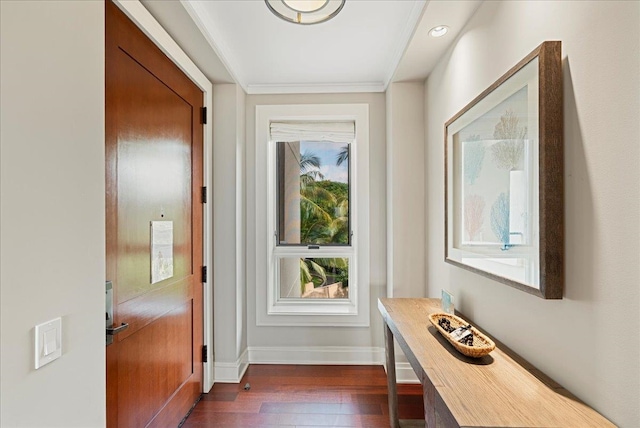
305 396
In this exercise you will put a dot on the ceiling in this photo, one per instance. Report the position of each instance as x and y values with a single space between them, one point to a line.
369 44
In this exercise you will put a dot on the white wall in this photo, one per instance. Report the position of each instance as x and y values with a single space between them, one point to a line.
323 336
589 342
229 291
52 211
406 228
406 237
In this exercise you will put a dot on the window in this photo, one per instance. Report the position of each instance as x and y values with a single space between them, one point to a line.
313 213
312 163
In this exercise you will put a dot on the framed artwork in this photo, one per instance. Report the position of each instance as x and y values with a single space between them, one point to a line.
504 178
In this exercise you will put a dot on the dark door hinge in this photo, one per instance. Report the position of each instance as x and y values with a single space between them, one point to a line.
203 117
204 274
205 356
204 195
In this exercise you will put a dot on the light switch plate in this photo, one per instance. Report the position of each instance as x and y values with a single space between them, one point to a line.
48 342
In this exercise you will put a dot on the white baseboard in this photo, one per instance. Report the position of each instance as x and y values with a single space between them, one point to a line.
231 372
405 374
344 355
316 355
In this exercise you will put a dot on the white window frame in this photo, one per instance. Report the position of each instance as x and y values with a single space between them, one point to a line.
270 309
289 306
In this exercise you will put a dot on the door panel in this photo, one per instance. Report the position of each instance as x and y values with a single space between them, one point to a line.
153 173
146 384
154 180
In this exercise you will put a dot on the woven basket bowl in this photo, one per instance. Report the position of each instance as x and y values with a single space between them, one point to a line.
482 345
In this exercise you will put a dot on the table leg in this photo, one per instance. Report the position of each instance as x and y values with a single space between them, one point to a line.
391 377
429 399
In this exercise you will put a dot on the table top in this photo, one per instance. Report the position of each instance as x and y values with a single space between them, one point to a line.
497 390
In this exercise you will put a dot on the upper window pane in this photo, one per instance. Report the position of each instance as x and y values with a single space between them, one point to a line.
313 193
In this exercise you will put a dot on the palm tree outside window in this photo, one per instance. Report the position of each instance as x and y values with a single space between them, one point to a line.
313 212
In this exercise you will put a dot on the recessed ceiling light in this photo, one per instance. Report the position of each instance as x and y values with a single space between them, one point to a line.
305 12
438 31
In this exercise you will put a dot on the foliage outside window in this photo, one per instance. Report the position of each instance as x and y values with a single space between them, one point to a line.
313 212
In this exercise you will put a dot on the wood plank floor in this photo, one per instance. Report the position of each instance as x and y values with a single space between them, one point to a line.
305 396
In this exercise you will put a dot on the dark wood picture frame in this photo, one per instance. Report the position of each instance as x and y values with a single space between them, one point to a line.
550 200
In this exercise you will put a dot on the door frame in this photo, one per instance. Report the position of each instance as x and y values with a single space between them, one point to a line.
141 17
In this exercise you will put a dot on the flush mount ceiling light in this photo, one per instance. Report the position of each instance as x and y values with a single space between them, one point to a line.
305 12
438 31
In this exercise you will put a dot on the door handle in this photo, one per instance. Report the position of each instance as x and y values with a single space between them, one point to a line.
113 331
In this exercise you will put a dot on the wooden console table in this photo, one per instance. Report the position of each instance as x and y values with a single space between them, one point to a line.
498 390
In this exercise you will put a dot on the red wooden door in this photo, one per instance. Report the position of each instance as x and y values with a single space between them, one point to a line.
154 143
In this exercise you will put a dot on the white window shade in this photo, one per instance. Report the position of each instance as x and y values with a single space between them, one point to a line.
339 132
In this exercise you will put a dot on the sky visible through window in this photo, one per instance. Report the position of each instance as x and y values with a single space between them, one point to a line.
328 154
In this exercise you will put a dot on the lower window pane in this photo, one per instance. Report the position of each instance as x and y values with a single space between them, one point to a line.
314 278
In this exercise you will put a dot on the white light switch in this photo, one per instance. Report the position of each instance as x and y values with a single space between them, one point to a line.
48 342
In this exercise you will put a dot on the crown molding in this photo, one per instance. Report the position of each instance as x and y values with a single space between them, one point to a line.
315 88
214 38
410 28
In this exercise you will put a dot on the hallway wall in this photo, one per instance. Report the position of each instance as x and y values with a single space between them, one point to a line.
303 337
405 157
229 283
589 341
52 211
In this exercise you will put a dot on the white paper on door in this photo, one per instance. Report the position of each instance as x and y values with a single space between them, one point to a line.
161 250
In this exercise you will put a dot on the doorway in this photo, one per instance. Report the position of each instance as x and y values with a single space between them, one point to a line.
154 226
